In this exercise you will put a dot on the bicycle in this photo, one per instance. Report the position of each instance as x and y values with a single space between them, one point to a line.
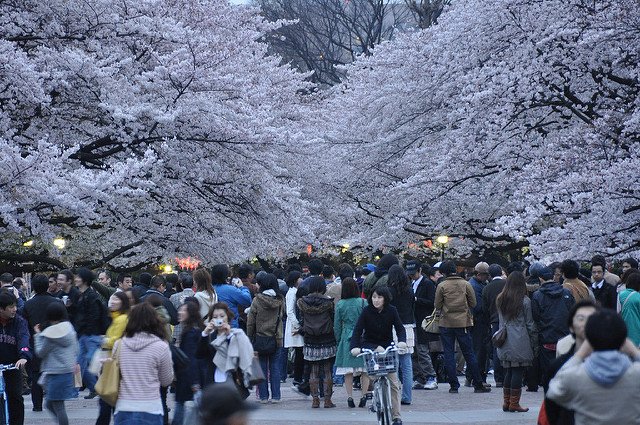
380 364
3 392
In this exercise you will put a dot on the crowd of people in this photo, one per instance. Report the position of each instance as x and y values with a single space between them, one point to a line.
558 327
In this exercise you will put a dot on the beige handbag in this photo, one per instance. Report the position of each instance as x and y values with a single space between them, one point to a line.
431 323
108 384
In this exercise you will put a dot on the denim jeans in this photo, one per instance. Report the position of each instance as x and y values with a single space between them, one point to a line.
178 413
498 370
337 379
283 361
462 335
271 370
480 338
136 418
406 376
88 345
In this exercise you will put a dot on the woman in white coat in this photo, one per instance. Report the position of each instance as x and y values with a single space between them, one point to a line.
292 337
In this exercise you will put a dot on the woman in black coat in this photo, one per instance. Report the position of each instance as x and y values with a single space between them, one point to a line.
187 336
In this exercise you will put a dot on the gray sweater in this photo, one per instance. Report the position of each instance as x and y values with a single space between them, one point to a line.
57 347
603 395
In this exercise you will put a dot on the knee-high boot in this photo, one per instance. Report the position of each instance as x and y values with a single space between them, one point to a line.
315 392
506 392
514 404
328 392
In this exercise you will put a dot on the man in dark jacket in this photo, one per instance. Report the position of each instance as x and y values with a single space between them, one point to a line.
91 323
158 287
550 308
14 349
35 313
68 293
480 329
606 295
489 295
425 293
143 286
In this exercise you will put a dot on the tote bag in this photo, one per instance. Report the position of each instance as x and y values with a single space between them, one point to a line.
108 383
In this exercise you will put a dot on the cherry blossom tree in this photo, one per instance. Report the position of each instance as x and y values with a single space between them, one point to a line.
142 130
510 122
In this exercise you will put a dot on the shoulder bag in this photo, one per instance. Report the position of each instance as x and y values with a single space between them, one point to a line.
431 323
108 384
499 337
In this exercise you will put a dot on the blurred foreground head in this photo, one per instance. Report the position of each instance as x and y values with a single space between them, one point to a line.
221 404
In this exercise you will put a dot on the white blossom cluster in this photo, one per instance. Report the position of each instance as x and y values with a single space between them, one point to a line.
511 120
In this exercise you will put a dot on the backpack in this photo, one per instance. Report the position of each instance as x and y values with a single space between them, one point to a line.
318 324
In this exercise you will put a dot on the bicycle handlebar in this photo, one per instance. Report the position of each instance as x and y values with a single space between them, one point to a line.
392 347
4 367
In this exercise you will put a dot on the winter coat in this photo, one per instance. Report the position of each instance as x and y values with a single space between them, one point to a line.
489 295
404 303
375 328
602 390
347 313
116 329
233 351
291 340
455 299
630 313
606 295
373 281
205 301
425 301
166 303
479 311
578 289
14 340
188 376
91 315
145 366
233 297
550 307
265 316
317 308
57 347
35 309
178 299
522 337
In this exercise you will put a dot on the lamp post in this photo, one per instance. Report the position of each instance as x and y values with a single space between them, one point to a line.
443 240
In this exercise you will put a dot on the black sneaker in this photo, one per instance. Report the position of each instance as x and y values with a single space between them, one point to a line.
482 389
397 421
405 403
350 402
453 390
302 389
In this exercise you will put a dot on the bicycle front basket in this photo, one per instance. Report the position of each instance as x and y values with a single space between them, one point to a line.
378 364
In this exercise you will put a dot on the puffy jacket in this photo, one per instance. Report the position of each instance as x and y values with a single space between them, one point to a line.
115 330
265 317
455 298
317 311
550 308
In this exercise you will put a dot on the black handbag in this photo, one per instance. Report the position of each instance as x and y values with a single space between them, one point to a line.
499 337
180 359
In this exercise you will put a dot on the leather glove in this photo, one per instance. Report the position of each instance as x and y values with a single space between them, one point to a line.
402 347
355 351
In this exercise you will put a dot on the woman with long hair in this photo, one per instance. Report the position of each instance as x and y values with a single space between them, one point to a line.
518 350
56 345
403 299
119 311
186 337
205 294
145 366
264 322
347 313
317 311
292 336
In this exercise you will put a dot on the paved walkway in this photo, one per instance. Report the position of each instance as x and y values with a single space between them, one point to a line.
428 407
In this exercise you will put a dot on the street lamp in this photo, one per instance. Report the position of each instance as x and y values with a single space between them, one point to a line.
443 240
60 243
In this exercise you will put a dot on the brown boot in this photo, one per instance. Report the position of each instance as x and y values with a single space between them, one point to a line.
313 385
506 393
514 403
328 392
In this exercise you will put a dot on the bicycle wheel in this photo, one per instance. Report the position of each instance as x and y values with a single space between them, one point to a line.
384 415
